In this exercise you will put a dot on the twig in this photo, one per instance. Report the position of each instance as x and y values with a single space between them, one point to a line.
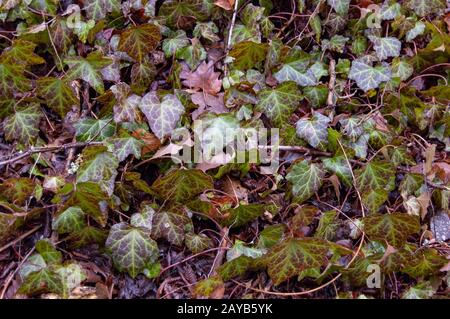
218 260
44 149
230 34
15 241
331 83
11 276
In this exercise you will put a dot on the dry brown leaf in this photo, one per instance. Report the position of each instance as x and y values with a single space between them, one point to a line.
152 143
204 78
225 4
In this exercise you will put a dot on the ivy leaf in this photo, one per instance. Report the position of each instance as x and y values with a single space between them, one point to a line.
182 185
305 179
394 228
162 115
126 106
314 130
389 11
21 52
423 290
12 79
336 43
340 6
279 103
98 166
123 146
375 175
338 165
401 69
142 75
316 95
424 263
426 7
176 41
197 243
23 125
248 54
243 214
236 267
271 235
368 77
58 94
373 199
48 252
88 69
139 40
291 256
328 225
44 280
173 11
98 9
207 30
171 226
131 248
290 72
88 196
86 236
418 29
90 129
70 220
17 190
386 47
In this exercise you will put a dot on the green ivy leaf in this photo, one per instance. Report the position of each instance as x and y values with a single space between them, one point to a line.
279 103
366 76
182 185
58 94
23 125
88 69
426 7
236 267
373 199
124 146
126 106
176 41
17 190
12 79
88 196
90 129
291 256
314 130
423 290
173 11
142 75
244 214
86 236
338 165
197 243
131 248
305 179
248 54
139 40
171 226
21 52
340 6
98 9
162 115
99 166
70 220
375 175
271 235
424 263
386 47
401 69
316 95
394 228
48 252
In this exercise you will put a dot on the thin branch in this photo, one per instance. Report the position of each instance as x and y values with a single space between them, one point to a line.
33 150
